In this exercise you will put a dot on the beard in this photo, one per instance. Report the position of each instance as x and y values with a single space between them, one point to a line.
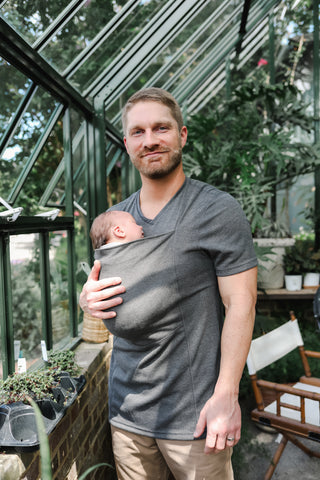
154 172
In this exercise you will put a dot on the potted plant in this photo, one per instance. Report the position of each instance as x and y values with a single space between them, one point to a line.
301 260
311 261
292 264
53 388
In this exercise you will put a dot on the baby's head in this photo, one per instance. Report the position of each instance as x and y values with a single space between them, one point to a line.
114 226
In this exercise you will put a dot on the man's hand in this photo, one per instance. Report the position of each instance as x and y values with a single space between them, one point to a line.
95 295
222 417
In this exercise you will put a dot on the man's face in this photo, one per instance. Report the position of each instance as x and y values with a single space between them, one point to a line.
153 140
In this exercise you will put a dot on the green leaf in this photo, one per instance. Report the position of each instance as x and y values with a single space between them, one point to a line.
45 457
91 469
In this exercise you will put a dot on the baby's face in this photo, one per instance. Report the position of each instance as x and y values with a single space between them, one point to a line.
132 230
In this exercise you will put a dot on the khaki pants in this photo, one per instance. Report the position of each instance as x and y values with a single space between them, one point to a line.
139 457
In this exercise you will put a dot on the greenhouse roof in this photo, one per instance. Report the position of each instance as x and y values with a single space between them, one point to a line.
97 52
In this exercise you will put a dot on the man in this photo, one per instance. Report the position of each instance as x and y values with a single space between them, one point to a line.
174 386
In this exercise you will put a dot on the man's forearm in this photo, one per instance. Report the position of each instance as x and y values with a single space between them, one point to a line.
235 343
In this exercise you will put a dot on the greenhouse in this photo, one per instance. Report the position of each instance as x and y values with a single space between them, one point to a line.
246 76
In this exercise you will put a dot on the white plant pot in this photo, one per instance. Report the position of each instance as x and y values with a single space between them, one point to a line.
271 272
293 282
311 280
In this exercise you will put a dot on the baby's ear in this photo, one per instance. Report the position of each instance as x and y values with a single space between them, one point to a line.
118 232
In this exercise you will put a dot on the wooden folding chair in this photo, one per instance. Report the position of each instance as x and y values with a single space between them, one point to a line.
295 412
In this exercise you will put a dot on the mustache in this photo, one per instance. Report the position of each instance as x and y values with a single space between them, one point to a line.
147 150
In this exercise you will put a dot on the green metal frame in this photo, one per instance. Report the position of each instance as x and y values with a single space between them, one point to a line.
218 78
72 8
105 33
12 126
35 153
115 79
6 323
192 83
19 53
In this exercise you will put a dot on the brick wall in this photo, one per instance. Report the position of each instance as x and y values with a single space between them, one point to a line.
82 437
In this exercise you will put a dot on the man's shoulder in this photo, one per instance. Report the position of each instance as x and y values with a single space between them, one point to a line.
206 191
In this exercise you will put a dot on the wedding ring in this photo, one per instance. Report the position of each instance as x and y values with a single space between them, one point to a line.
230 439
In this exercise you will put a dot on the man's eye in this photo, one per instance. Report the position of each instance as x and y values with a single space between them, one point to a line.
162 128
136 132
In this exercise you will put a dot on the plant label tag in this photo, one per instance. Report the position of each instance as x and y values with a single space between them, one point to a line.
17 345
22 365
44 351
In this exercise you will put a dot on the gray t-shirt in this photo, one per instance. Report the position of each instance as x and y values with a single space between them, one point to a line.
166 352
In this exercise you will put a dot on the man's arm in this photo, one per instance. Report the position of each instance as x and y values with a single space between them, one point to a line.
99 295
221 414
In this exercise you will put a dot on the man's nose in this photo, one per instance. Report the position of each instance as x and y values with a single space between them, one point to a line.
150 138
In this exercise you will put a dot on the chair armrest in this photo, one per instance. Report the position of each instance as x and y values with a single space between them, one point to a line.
281 388
312 354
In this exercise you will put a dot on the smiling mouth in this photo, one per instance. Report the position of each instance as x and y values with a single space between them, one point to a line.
153 154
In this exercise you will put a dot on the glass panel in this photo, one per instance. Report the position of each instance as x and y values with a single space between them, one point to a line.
188 54
77 34
79 170
42 172
26 294
1 358
81 236
114 186
13 88
59 286
57 198
114 44
31 19
25 138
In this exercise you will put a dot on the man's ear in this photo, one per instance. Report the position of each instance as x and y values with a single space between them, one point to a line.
183 136
118 232
125 144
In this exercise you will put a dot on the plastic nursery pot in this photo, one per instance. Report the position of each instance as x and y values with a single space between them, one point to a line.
311 280
293 282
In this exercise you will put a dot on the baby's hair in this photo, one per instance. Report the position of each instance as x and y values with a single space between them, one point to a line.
100 232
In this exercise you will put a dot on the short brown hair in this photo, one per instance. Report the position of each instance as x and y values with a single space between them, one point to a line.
100 232
153 94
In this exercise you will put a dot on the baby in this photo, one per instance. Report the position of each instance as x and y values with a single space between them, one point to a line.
113 228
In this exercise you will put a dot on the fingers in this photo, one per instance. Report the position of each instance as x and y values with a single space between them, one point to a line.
101 301
94 274
200 426
216 443
100 295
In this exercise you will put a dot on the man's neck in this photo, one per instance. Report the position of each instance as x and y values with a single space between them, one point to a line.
156 193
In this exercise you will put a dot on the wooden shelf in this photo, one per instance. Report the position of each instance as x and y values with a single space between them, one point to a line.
283 294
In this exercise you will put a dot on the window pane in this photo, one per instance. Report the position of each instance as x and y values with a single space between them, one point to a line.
81 238
188 55
25 138
79 173
13 88
59 286
26 306
31 19
77 34
42 172
114 44
1 359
